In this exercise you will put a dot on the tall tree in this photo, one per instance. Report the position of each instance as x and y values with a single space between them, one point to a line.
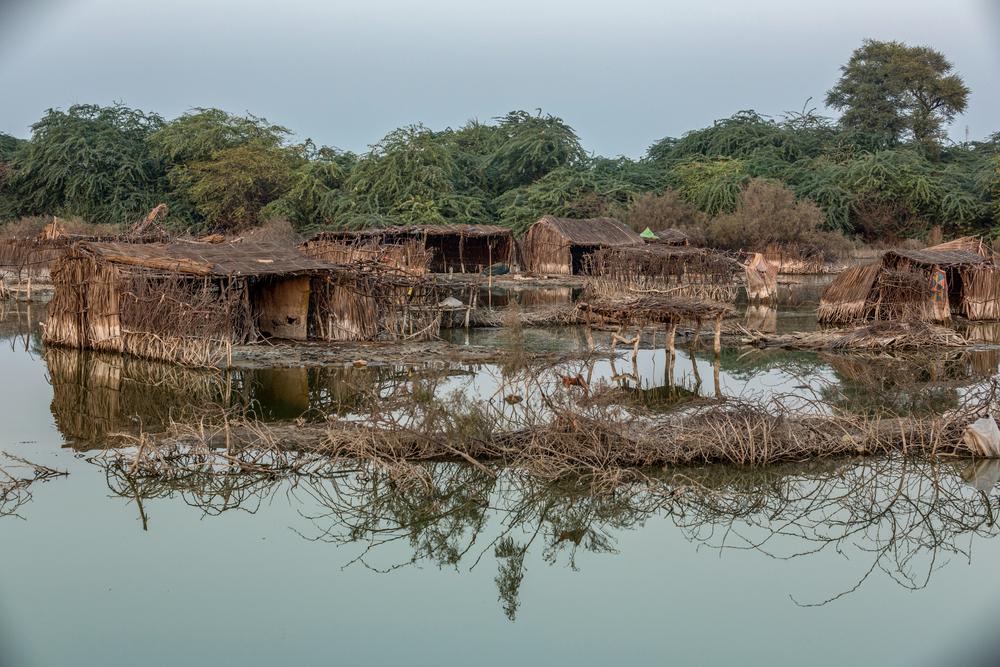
89 161
894 89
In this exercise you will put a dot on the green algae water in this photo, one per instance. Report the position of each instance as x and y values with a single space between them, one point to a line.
836 562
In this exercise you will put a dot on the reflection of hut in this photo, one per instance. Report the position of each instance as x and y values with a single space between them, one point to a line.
95 395
191 302
931 284
677 270
454 248
560 245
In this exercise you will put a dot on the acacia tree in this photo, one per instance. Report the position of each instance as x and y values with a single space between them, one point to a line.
89 161
530 148
894 89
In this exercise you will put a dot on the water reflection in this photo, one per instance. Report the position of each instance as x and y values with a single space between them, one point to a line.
897 517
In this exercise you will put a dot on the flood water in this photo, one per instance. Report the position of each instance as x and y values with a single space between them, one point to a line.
868 561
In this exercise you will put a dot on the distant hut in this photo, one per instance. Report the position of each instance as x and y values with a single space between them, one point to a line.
192 302
666 236
453 248
410 256
655 268
955 278
561 245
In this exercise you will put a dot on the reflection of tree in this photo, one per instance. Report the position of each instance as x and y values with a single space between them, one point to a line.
901 517
17 475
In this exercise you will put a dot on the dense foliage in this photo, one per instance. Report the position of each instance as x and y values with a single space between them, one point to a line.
881 171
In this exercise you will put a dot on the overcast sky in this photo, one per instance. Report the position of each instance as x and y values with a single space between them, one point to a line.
623 73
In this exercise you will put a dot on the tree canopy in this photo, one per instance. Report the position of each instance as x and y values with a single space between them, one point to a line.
881 170
892 89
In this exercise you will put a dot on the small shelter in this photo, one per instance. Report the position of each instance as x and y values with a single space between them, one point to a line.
412 256
666 236
453 248
657 268
955 278
191 302
561 245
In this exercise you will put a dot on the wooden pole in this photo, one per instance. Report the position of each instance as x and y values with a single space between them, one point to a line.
635 346
717 343
671 351
697 375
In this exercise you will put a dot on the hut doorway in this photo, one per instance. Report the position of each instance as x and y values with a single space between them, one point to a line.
281 306
579 255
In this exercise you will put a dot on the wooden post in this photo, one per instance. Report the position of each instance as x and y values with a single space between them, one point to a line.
697 375
671 352
717 345
715 372
635 345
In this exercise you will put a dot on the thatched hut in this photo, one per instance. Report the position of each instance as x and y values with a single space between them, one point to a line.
412 256
191 302
657 268
666 236
560 245
453 248
955 278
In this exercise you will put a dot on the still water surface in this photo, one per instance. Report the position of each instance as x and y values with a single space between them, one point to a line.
479 571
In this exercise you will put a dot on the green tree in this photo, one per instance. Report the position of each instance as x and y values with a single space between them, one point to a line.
89 161
230 188
531 147
893 89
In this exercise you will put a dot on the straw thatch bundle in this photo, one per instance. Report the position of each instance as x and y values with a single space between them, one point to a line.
848 297
762 279
981 293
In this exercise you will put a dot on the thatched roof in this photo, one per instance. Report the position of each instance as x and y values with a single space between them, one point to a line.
669 236
968 243
208 259
592 231
935 256
414 230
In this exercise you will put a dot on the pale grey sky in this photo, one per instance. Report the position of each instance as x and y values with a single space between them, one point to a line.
622 73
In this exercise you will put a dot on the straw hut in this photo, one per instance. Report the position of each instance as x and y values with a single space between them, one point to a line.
192 302
412 256
955 278
560 245
658 268
667 236
453 248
